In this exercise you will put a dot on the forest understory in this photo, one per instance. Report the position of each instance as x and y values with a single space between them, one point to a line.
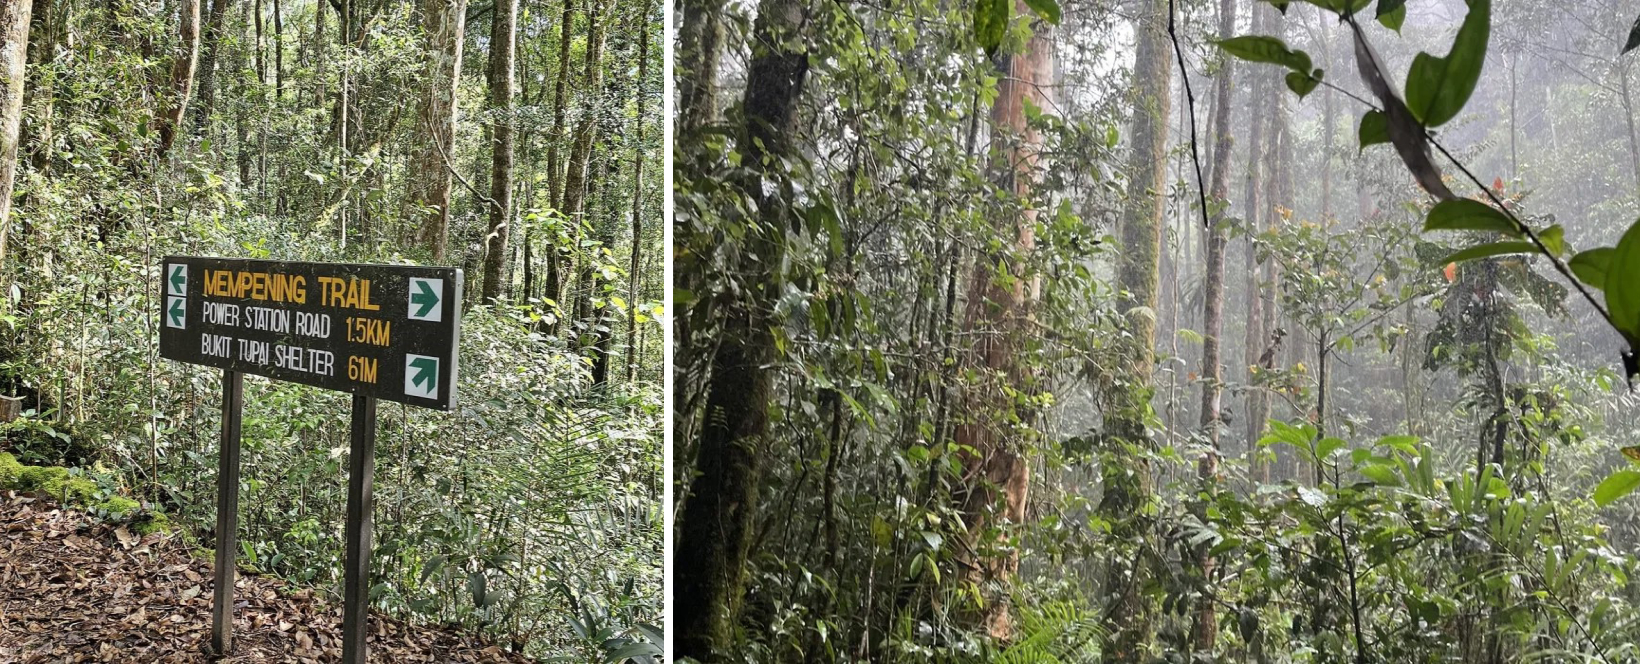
1157 331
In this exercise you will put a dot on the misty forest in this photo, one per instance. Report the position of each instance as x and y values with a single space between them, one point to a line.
519 140
1157 331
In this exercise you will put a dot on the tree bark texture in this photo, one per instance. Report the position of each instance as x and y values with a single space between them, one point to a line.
997 311
503 49
1126 472
14 25
184 61
430 180
717 526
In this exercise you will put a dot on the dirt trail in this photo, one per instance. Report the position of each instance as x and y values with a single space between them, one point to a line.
74 590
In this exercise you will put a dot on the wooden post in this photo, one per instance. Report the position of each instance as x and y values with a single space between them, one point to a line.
227 512
361 467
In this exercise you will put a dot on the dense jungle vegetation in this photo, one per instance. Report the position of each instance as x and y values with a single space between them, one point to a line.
1157 331
518 139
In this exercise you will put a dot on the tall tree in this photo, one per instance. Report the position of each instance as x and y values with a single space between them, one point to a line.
716 529
573 203
1126 472
700 44
430 178
1251 209
560 105
1212 374
210 49
14 24
184 61
503 49
632 270
998 305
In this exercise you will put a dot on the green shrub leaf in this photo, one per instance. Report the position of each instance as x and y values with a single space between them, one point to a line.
1438 87
1462 214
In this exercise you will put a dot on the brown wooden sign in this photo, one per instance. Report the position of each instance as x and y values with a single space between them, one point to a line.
383 331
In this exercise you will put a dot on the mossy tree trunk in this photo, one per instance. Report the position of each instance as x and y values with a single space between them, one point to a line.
717 526
1126 470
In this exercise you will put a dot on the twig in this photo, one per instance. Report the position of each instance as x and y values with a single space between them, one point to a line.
1190 104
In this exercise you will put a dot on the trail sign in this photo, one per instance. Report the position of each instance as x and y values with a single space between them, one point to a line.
378 331
383 331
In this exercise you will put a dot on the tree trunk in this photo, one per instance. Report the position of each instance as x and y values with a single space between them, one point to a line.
279 51
41 89
183 64
560 105
503 44
575 173
209 51
696 72
14 24
1252 339
716 530
430 181
998 306
632 275
1212 376
1126 473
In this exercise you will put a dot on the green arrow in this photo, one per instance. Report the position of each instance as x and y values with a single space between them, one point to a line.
179 277
179 310
427 299
426 371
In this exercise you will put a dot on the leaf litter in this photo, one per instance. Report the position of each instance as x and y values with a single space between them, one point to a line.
76 590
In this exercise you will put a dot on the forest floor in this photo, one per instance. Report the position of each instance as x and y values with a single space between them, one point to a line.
73 589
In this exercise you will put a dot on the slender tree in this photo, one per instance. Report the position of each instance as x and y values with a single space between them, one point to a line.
632 271
503 30
184 61
1212 374
430 179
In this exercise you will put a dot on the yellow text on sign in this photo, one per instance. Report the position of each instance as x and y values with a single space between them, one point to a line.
369 331
269 286
361 369
349 294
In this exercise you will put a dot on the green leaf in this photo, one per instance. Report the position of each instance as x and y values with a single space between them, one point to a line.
1634 38
1617 485
1048 9
1391 13
991 23
1408 444
1327 446
632 650
1437 88
476 583
1302 84
1462 214
1255 48
1590 266
1553 237
1374 129
1623 285
1380 474
1490 249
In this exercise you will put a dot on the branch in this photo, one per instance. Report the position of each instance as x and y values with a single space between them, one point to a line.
1190 104
445 159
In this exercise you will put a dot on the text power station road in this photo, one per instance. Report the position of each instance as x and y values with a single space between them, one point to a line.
382 331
